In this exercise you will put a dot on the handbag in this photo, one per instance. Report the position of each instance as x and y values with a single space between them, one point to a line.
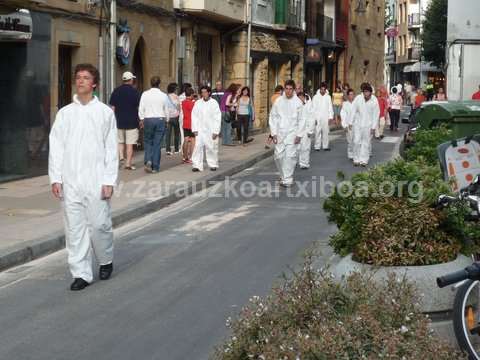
233 119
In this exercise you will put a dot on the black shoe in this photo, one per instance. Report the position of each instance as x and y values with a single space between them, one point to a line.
195 170
105 271
78 284
317 149
304 167
327 149
213 169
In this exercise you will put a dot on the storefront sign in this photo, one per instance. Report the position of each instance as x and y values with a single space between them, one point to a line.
16 26
123 42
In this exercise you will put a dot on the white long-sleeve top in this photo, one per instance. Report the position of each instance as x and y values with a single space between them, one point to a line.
153 104
309 118
83 146
286 120
206 118
346 114
322 107
366 113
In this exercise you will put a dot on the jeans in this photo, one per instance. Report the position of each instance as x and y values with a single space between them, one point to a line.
226 129
154 131
243 123
173 123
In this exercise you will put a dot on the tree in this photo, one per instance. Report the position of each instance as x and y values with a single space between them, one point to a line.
434 36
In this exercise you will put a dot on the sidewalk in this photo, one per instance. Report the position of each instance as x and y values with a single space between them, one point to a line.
31 220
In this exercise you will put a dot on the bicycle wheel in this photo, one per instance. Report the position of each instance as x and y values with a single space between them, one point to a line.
466 318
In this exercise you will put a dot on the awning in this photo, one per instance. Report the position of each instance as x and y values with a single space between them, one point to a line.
423 66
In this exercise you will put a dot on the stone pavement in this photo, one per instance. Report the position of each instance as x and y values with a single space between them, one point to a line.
31 220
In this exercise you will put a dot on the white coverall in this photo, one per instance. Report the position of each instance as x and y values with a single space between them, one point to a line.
365 120
286 123
206 120
83 157
346 114
322 109
306 143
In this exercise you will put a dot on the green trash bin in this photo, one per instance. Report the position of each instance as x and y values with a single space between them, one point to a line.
462 117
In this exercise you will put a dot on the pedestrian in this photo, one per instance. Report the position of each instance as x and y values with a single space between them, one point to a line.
366 113
229 113
218 93
323 111
206 124
346 114
337 104
306 142
183 96
430 91
440 95
173 124
278 92
287 126
124 102
419 99
383 105
476 96
83 169
413 95
153 113
189 142
245 115
396 102
408 92
345 89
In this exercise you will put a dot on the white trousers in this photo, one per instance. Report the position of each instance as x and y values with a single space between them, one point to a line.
88 230
285 157
380 127
304 151
362 144
321 134
349 136
210 147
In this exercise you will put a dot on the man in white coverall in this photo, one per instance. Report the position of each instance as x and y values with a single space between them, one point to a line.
322 109
287 126
346 114
206 124
306 142
83 169
366 112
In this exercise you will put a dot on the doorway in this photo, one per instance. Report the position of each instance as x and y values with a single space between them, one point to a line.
64 75
203 60
137 64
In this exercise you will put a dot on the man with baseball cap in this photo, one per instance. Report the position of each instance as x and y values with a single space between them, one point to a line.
124 101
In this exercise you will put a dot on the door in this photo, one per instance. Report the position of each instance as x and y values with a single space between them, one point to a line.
203 60
64 75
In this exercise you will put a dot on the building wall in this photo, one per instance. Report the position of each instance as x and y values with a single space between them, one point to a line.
365 53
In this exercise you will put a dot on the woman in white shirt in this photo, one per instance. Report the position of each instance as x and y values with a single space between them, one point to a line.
173 125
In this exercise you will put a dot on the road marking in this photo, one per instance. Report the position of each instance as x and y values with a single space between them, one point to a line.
391 139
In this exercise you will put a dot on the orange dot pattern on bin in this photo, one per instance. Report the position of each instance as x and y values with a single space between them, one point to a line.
465 164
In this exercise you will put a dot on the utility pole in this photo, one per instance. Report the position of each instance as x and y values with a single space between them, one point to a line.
113 45
249 39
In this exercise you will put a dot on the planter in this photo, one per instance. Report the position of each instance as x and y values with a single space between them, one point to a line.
433 299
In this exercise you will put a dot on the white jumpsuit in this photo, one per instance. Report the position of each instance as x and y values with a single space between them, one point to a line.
306 143
206 120
83 157
346 114
322 109
365 120
286 123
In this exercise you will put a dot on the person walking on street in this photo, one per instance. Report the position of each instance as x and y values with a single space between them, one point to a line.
396 102
366 113
440 95
189 142
218 93
124 102
245 115
278 92
173 125
183 96
306 142
337 104
383 104
153 113
323 112
206 124
287 126
83 169
430 90
226 114
347 121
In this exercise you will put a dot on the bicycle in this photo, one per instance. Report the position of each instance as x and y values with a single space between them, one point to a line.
466 306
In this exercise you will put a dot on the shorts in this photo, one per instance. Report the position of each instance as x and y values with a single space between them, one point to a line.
337 109
127 136
188 133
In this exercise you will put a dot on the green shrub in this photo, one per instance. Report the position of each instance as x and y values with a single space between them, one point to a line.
426 142
311 317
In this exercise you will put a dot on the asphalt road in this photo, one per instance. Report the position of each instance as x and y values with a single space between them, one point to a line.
179 273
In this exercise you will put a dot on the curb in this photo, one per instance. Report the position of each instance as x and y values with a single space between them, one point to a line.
18 255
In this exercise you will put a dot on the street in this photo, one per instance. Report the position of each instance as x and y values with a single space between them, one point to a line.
179 273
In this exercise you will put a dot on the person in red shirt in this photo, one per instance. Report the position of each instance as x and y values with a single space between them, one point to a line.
383 104
476 96
189 141
419 99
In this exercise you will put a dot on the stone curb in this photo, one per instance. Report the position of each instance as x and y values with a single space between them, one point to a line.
21 254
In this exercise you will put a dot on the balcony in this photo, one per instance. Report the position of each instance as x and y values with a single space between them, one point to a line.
223 11
414 21
414 53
